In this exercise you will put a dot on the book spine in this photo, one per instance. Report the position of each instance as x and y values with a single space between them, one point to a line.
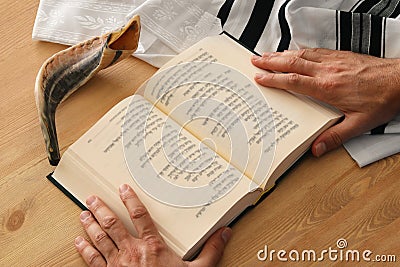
66 192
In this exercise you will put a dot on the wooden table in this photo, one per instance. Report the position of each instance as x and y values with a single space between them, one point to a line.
317 203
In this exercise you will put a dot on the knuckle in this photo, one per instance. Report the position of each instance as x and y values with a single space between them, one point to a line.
302 52
328 85
99 237
327 89
95 206
333 69
336 138
217 249
138 212
147 232
292 62
154 244
94 258
271 76
128 257
87 223
109 221
293 78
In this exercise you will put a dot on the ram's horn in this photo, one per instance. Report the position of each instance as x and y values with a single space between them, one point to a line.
69 69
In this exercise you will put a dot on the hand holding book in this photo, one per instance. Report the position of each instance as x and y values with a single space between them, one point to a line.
115 245
363 87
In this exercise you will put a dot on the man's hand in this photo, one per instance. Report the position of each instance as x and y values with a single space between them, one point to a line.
365 88
115 246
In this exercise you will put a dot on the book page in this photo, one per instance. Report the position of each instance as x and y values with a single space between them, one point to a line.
169 163
96 164
223 109
287 123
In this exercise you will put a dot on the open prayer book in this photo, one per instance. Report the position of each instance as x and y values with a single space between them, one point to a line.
199 143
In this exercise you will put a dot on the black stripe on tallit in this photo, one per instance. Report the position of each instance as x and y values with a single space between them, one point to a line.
374 7
366 6
345 30
379 12
379 130
224 11
383 37
375 43
257 22
356 5
337 30
286 36
396 12
242 44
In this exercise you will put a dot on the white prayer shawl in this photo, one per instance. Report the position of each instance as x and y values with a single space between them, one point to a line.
169 26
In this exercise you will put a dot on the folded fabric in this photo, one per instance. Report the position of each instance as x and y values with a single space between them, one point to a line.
367 149
170 26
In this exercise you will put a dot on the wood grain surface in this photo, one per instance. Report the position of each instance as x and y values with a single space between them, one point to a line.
318 202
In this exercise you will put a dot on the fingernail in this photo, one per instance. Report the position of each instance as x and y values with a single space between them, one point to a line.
84 215
320 149
255 57
78 240
259 76
226 234
123 188
90 200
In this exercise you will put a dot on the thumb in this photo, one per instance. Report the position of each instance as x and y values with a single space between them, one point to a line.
336 136
213 248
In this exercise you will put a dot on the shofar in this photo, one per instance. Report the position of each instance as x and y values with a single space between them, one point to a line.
66 71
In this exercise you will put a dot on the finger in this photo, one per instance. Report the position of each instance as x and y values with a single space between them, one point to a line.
285 63
336 136
99 238
290 81
138 213
90 255
310 54
322 51
108 221
214 248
